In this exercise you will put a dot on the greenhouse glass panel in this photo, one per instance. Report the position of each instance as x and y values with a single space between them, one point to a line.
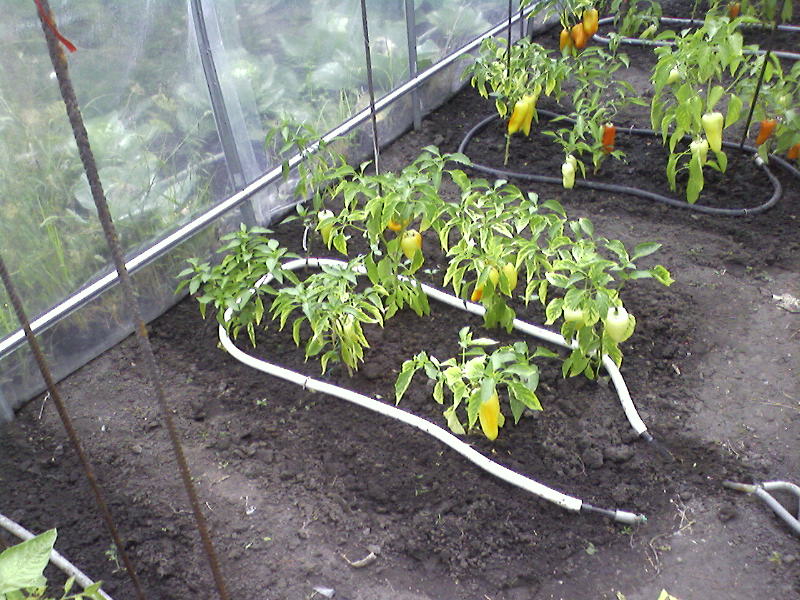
180 101
145 103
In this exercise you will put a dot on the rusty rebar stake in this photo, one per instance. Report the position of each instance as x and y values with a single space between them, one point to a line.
74 439
60 66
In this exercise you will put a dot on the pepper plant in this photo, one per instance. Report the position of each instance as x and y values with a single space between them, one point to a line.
588 275
329 304
22 568
516 84
762 11
473 379
499 232
249 256
776 117
691 80
596 100
636 18
390 210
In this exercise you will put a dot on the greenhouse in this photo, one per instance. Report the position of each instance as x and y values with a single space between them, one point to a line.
408 299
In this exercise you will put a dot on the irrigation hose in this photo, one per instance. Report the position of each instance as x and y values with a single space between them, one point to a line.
57 559
623 189
762 491
669 20
565 501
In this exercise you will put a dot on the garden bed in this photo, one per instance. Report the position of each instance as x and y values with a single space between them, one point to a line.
296 483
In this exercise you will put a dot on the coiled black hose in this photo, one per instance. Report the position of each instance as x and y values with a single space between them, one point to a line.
678 21
623 189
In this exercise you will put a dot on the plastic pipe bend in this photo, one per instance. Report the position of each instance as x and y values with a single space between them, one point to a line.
563 500
762 491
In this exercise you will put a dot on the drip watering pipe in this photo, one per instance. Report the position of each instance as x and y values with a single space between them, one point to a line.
569 503
623 189
678 21
57 559
762 491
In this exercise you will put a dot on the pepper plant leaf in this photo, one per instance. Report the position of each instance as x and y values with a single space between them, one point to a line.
22 565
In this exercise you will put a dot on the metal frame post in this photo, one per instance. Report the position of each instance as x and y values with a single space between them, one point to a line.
413 66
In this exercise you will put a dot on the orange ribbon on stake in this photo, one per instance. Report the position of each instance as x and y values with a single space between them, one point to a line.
48 20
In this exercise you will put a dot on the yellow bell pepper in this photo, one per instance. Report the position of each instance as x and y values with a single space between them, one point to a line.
522 116
490 416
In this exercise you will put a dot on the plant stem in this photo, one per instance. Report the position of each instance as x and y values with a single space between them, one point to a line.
508 146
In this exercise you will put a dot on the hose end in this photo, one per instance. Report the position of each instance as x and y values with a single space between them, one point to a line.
621 516
629 518
740 487
661 448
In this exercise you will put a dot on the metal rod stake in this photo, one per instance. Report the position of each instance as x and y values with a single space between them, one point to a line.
60 66
74 439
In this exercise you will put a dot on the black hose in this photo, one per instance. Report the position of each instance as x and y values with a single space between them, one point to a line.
662 449
622 189
655 43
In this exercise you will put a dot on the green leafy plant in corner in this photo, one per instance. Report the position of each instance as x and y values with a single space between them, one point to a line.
22 567
473 379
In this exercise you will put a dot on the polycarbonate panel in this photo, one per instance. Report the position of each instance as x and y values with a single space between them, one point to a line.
145 103
174 134
100 324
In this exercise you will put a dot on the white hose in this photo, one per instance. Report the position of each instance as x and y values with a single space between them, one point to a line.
568 502
56 558
762 491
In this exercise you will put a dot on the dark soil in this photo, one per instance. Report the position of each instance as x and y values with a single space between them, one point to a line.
296 483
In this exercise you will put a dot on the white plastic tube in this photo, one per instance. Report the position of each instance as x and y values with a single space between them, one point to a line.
762 491
56 558
567 502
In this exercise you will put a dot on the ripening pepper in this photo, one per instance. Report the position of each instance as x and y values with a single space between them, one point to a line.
568 174
734 8
579 37
674 76
411 243
325 226
699 149
590 21
765 130
565 42
793 153
489 416
522 115
609 136
712 124
510 271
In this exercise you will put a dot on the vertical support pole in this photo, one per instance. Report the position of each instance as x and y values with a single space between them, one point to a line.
370 85
233 161
413 68
508 47
61 68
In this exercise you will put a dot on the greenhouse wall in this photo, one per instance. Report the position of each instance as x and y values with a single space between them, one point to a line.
178 100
